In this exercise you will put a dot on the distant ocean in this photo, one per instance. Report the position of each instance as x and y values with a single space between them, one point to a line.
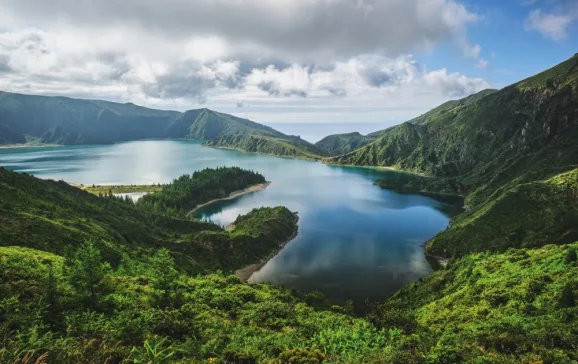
313 132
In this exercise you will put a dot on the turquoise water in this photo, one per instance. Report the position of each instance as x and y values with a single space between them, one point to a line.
356 241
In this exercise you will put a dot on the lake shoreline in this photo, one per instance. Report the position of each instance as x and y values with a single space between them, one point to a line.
303 158
232 195
25 145
246 272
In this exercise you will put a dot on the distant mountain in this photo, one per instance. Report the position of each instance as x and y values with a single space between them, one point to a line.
287 146
495 147
64 120
339 144
205 124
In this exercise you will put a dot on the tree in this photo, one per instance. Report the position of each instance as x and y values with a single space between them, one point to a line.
87 271
51 287
567 297
165 274
570 256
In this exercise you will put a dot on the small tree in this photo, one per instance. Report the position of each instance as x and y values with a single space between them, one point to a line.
165 274
567 297
87 271
51 287
570 256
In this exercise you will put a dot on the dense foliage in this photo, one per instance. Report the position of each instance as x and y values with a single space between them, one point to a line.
519 306
514 307
159 314
288 146
188 191
527 215
56 217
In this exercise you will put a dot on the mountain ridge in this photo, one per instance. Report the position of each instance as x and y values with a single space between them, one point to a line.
69 121
484 146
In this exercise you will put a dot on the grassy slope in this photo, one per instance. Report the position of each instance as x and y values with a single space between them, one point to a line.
531 214
286 146
115 189
56 217
486 145
340 144
504 308
62 120
205 124
215 319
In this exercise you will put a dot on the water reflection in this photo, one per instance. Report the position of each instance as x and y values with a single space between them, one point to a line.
355 240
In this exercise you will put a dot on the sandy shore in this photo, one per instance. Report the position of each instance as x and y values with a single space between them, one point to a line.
245 273
232 195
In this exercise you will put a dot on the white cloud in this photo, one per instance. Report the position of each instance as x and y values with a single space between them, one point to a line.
553 26
303 30
305 55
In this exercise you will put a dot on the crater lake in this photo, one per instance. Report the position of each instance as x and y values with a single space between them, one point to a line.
355 242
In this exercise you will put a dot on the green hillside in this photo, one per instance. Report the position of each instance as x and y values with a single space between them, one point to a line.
188 191
205 124
514 307
339 144
82 279
287 146
490 146
56 217
62 120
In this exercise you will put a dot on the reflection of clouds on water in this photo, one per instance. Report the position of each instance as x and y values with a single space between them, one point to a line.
355 240
358 266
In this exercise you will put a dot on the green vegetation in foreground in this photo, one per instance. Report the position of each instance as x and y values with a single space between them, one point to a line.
518 306
188 191
505 150
514 307
285 147
100 190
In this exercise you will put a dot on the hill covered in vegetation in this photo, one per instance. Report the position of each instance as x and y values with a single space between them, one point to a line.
188 191
495 146
339 144
513 307
67 121
56 217
97 297
285 147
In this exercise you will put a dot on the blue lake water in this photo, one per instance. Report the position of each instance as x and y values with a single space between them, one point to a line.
356 241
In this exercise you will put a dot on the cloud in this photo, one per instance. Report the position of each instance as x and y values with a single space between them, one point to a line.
552 26
453 84
304 55
287 29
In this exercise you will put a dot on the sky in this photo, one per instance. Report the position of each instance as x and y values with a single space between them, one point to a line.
280 62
